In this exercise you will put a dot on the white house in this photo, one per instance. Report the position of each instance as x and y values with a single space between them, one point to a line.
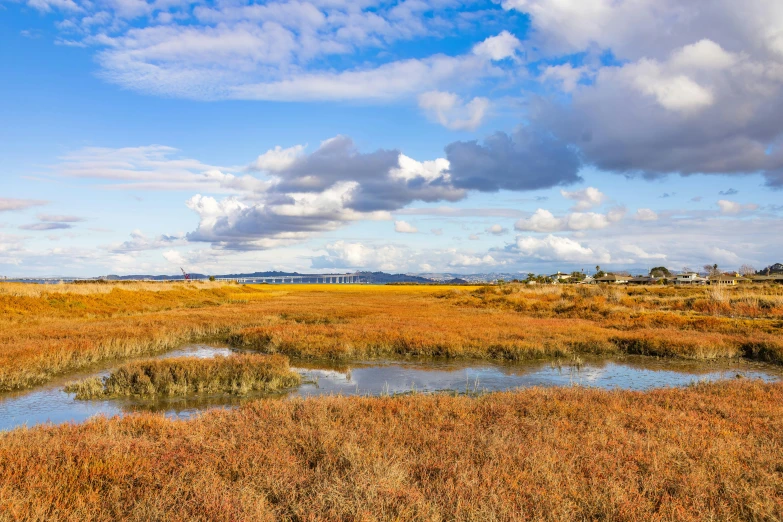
690 278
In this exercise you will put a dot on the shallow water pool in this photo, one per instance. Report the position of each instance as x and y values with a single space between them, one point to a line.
50 403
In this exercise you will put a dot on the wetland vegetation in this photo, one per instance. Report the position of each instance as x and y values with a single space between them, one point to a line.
50 330
236 375
704 451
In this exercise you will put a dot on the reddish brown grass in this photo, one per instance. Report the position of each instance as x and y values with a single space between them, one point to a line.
708 452
43 333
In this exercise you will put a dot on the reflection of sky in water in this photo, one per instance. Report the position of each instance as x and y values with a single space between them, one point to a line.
50 403
401 378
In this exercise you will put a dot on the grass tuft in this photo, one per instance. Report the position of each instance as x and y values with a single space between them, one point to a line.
236 374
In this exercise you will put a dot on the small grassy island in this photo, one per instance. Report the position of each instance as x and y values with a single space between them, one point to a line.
237 374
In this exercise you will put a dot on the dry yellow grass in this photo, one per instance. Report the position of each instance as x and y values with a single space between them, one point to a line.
708 452
47 333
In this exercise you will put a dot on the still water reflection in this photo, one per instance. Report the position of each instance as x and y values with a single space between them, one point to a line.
50 404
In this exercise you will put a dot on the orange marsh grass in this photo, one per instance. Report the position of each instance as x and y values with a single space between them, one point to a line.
45 334
236 374
706 452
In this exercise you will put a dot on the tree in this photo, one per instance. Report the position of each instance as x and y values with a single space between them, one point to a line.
211 278
686 270
712 270
660 271
747 270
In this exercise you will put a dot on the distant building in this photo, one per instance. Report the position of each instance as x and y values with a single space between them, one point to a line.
613 279
725 279
690 278
643 280
560 276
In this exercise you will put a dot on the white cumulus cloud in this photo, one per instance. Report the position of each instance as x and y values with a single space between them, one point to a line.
544 221
585 199
453 112
645 214
558 248
505 45
403 227
732 207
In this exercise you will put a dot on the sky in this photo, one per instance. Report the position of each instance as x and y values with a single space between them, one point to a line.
412 136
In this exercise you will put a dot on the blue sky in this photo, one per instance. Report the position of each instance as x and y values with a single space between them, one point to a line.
414 136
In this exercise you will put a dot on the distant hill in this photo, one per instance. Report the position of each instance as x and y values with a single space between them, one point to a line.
383 277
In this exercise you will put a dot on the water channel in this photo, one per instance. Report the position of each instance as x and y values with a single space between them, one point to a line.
49 403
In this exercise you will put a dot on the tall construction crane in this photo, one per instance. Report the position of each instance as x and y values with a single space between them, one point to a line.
185 274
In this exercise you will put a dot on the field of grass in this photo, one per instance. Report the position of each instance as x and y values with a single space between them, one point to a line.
706 452
237 374
51 330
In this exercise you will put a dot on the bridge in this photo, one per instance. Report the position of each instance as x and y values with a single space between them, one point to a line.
333 279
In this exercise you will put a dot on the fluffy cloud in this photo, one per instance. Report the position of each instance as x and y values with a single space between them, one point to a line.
557 248
585 199
466 260
381 180
342 254
12 249
451 111
732 207
566 74
268 61
403 227
497 230
709 93
275 50
277 159
544 221
632 29
233 224
11 204
505 45
640 253
353 255
645 214
528 160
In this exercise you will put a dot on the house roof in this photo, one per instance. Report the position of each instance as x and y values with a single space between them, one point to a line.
612 277
772 277
725 277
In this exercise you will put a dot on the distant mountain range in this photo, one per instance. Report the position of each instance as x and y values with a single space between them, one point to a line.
369 277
